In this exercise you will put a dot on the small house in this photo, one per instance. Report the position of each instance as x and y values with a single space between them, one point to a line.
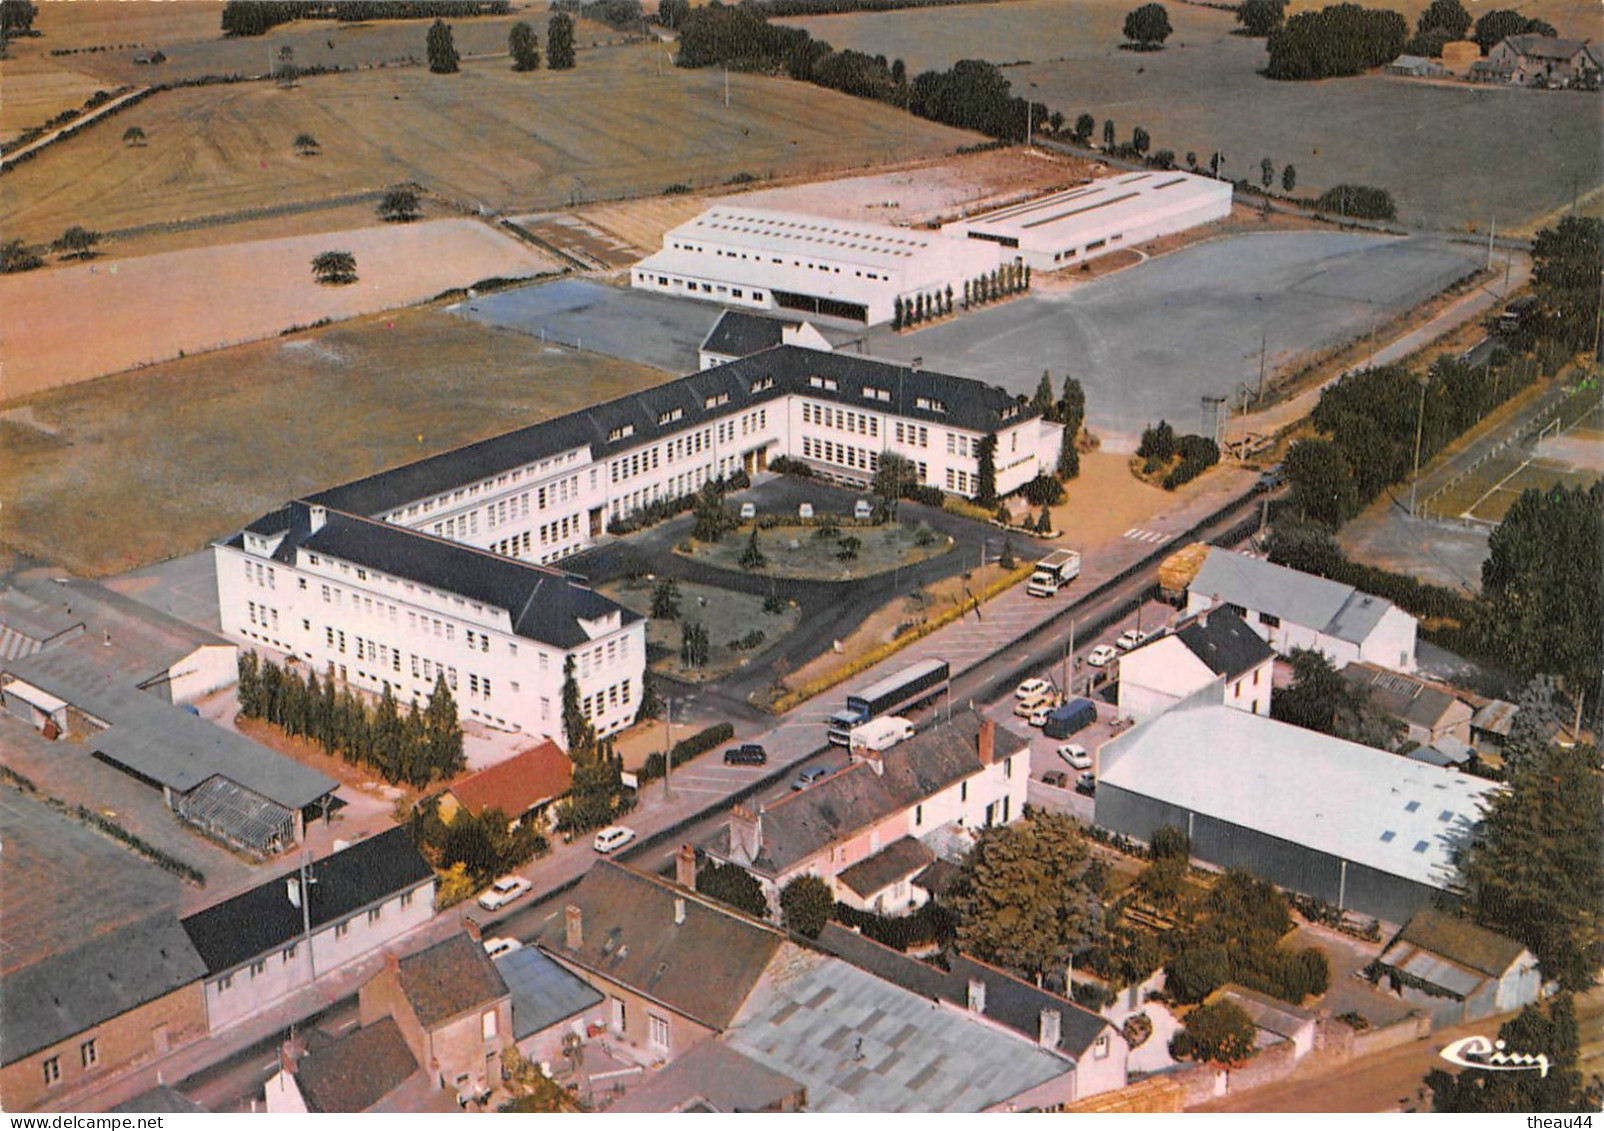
1456 971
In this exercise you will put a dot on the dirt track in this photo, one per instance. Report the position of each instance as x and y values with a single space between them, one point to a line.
75 323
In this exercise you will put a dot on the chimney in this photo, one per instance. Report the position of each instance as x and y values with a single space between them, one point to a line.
977 995
392 962
987 745
289 1055
685 867
874 759
746 833
679 910
292 889
573 927
471 925
1052 1027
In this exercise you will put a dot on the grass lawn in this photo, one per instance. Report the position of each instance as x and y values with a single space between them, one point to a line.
112 474
487 137
1429 144
798 551
727 616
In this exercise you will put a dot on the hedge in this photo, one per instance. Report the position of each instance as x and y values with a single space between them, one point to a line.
687 748
931 923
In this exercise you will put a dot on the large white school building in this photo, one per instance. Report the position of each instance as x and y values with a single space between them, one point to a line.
444 566
763 260
1070 227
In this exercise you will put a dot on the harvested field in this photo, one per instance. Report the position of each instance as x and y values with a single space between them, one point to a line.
36 91
486 138
1203 92
143 466
98 318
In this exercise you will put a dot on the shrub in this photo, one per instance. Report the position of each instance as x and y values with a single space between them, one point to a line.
931 923
686 749
1170 842
1198 454
1158 443
1137 1029
734 885
1043 491
1092 995
1219 1034
1197 972
1360 202
805 905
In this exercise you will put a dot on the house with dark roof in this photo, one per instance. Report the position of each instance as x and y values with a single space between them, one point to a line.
454 1011
1291 610
861 829
674 966
1216 648
738 334
114 1000
284 934
1089 1041
1455 971
1430 712
356 1072
713 1077
523 787
1546 60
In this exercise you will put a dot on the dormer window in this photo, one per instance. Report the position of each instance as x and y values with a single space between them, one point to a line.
622 432
716 400
669 417
929 404
826 383
761 384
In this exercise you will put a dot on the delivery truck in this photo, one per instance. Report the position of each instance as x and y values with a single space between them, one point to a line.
881 734
1053 572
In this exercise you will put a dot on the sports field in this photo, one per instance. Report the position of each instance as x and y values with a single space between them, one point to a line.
1434 146
111 474
92 319
486 137
1568 451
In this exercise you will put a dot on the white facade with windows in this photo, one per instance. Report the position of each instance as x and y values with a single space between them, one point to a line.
763 260
1070 227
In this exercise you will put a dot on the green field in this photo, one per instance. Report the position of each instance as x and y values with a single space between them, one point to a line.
485 138
1451 155
112 474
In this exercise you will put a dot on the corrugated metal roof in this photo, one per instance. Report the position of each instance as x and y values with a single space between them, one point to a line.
1351 801
543 993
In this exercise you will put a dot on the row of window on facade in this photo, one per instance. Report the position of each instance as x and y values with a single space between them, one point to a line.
706 288
472 490
843 455
844 420
367 604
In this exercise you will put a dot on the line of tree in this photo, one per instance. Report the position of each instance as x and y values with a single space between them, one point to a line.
1548 1030
1567 286
418 747
1343 39
1357 202
257 17
16 18
784 8
597 794
921 308
17 256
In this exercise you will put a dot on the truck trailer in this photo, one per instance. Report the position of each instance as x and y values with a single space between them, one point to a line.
1053 572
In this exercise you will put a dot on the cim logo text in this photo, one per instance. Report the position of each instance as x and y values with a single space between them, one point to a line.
1494 1056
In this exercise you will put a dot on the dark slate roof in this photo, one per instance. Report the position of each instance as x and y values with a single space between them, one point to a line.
1461 942
112 973
1225 643
233 932
356 1071
1546 46
804 823
739 334
160 1100
544 604
1402 696
450 978
896 861
1010 1002
711 1077
937 878
543 993
703 968
969 404
1268 1013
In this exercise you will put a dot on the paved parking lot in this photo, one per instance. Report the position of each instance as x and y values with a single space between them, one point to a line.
1148 342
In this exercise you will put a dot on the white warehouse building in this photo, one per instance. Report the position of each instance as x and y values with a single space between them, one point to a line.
763 260
1056 231
444 565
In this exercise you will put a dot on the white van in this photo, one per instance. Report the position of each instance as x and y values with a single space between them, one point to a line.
863 509
611 838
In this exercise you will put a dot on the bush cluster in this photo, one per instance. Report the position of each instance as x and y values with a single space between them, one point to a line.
932 923
1198 454
686 749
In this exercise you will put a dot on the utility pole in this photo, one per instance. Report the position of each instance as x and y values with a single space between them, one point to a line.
1028 124
1264 341
1069 650
1491 232
668 747
726 88
1420 421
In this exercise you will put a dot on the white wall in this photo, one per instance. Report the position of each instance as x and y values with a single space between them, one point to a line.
965 802
204 670
250 990
1391 644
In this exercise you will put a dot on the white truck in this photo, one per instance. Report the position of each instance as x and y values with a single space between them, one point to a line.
881 734
1053 572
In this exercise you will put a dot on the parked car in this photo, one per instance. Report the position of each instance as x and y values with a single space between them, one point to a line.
1101 656
1056 779
503 892
748 510
1273 476
1031 688
612 838
1132 638
810 776
863 510
1086 784
1075 754
495 948
1072 718
746 754
1039 717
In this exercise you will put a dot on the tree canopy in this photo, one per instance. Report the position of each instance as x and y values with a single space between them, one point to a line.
1220 1033
1025 899
1550 1031
1260 17
1343 39
734 885
806 904
399 206
1148 26
77 242
524 47
442 51
334 268
1318 698
1565 280
1498 25
560 42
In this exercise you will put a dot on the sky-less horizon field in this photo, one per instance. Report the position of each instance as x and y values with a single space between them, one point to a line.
1428 143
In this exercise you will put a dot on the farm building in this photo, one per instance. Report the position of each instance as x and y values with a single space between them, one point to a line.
1416 67
762 260
1545 60
1456 971
1056 231
1362 829
1295 610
